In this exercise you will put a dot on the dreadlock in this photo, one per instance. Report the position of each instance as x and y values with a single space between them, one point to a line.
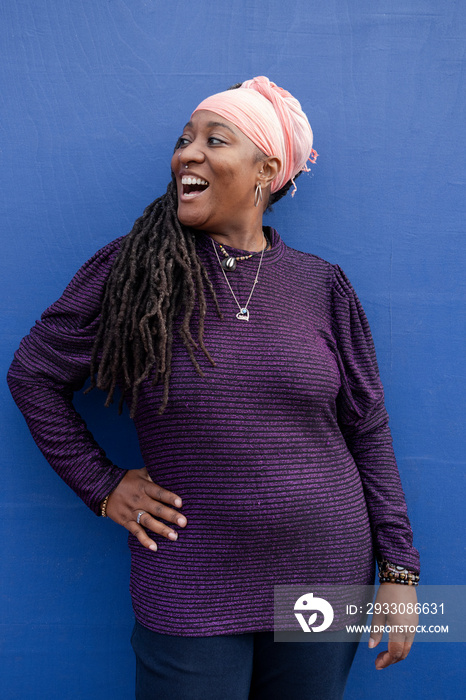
156 276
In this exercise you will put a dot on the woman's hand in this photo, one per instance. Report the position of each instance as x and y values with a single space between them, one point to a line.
136 493
395 601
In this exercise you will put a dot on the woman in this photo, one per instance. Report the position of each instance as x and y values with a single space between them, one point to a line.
251 376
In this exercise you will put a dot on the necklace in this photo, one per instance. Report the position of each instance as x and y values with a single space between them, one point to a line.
230 261
243 314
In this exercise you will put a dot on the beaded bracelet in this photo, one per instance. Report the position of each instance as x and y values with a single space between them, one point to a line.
391 573
103 507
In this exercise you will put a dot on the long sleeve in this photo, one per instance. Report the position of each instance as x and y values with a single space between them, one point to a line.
51 363
363 421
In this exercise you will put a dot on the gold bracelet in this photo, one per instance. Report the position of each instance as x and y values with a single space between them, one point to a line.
103 507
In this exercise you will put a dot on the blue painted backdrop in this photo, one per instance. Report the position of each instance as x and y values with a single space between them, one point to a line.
94 94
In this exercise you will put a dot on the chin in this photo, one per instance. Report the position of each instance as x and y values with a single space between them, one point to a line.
191 220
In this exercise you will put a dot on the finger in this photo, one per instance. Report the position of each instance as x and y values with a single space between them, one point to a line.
396 646
150 523
142 536
391 656
407 646
382 660
158 493
158 510
161 495
376 630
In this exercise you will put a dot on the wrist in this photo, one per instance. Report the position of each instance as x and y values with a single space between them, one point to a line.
103 507
393 573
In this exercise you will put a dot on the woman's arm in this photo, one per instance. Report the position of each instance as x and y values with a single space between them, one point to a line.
363 421
53 362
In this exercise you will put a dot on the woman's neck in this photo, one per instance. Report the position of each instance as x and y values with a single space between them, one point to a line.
252 241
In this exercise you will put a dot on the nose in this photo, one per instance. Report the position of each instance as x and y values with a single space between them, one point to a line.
190 153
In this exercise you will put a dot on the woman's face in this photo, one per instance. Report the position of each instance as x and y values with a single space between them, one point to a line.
223 165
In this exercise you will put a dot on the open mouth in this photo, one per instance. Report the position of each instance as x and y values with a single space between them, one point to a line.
193 185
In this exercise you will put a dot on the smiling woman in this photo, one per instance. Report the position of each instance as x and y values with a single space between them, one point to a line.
251 375
221 156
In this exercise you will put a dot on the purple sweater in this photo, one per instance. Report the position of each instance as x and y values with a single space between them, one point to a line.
282 453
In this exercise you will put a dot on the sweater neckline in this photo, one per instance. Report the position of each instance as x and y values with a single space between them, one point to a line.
275 252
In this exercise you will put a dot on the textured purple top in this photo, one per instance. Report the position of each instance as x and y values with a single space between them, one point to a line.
281 453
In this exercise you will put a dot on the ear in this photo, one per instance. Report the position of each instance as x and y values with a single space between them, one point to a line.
270 167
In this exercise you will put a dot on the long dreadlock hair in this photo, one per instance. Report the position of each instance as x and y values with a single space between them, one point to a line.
156 281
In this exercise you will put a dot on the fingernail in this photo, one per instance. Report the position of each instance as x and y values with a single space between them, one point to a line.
173 535
153 547
181 521
371 643
178 502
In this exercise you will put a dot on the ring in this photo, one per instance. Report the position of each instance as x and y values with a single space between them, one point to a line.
138 519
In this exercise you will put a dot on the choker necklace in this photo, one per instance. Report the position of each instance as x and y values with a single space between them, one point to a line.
243 314
229 263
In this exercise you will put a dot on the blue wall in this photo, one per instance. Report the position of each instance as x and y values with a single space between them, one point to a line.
94 94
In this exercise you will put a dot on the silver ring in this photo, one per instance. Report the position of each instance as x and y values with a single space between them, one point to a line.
138 519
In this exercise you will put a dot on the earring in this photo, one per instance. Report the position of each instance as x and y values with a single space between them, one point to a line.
258 194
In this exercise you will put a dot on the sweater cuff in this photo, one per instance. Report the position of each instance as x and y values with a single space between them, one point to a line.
115 475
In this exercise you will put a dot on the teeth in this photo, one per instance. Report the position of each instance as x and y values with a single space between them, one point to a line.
193 181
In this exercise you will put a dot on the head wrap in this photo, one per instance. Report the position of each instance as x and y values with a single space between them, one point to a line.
272 119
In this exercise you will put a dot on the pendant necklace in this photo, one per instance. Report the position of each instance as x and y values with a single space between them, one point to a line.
243 314
229 262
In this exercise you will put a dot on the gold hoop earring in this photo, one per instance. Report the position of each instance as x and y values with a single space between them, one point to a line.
258 194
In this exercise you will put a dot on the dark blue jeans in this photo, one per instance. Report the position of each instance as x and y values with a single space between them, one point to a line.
238 667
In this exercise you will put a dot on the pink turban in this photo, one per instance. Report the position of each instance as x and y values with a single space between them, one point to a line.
272 119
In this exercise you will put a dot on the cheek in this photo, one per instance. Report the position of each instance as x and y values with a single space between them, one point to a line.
231 195
238 181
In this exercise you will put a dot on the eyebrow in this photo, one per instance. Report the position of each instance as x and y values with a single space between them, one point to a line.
213 124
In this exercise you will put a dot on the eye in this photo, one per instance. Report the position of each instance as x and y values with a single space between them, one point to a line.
214 140
182 141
